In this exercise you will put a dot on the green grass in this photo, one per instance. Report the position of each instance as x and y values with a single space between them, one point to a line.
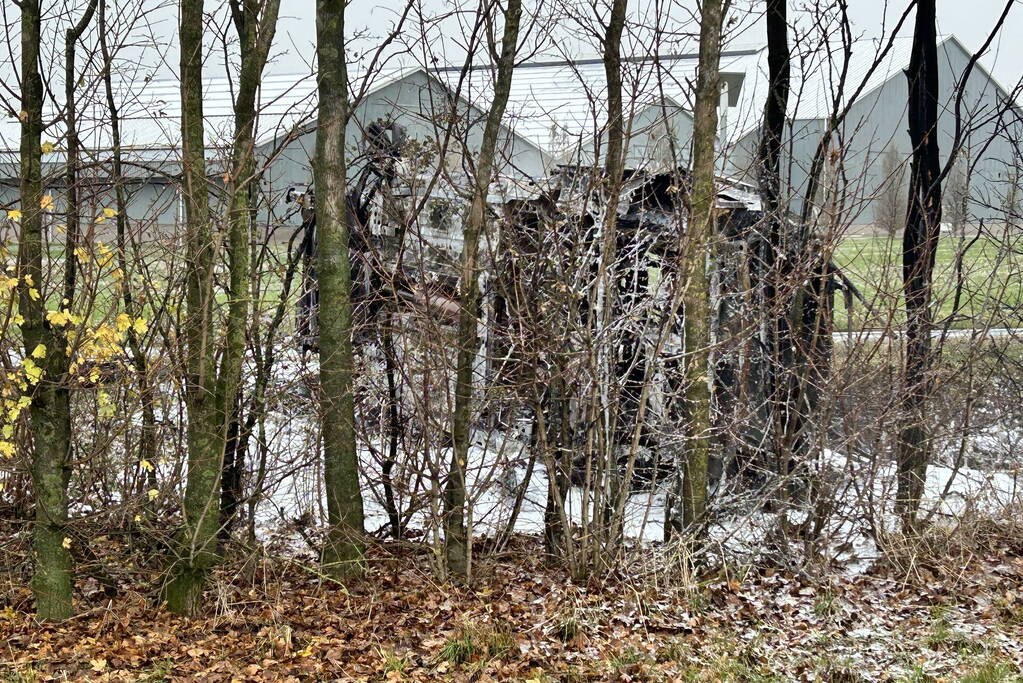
993 671
992 282
991 276
99 297
482 643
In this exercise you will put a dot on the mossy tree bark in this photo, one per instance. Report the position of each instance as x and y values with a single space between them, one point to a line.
701 232
211 391
51 401
343 551
196 549
50 409
456 540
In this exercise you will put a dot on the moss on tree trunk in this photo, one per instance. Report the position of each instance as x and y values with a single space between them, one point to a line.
343 551
196 550
699 242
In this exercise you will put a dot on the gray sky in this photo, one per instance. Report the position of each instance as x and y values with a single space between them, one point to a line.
970 20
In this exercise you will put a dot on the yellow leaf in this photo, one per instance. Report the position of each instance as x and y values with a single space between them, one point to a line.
66 543
14 214
7 431
58 318
33 372
33 293
146 465
46 203
152 493
98 665
39 351
108 212
83 255
46 147
105 255
7 449
140 326
106 406
123 322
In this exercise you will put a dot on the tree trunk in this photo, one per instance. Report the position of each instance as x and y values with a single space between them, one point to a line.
393 422
785 356
775 108
51 401
456 541
256 23
197 547
701 232
343 552
52 580
919 247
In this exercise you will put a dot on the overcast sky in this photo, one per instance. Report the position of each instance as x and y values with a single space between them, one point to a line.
368 20
970 20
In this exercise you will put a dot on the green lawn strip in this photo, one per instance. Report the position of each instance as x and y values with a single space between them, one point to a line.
991 292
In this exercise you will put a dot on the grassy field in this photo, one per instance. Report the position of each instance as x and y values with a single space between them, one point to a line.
990 277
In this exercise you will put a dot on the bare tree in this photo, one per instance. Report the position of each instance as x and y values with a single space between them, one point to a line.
196 548
50 395
457 543
890 205
700 240
147 438
255 21
919 249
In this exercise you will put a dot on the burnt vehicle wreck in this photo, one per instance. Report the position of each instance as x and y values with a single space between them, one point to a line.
376 241
546 237
541 277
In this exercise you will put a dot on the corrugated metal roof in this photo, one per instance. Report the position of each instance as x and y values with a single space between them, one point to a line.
557 105
553 105
820 75
150 112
